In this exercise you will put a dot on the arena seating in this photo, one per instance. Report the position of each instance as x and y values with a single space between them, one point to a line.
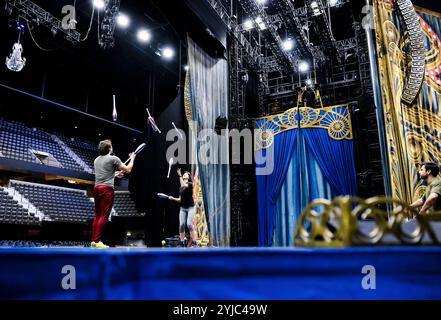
87 151
11 212
57 203
35 244
16 141
124 205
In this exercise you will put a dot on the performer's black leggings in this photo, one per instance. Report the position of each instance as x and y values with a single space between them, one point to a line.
186 216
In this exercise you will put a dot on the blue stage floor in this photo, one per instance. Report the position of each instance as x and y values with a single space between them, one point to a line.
221 274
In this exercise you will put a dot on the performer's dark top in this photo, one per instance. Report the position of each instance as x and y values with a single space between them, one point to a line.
186 194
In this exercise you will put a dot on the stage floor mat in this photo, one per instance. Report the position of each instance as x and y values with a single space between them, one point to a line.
220 273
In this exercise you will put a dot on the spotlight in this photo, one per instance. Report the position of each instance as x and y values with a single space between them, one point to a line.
260 23
288 45
333 2
248 24
20 26
303 66
144 35
123 20
261 1
186 68
99 4
309 82
315 8
168 53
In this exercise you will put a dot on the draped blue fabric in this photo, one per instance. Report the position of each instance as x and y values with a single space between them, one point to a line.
308 164
269 186
304 181
335 158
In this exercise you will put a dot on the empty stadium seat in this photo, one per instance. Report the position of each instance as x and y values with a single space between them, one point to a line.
59 204
16 141
86 151
124 205
11 212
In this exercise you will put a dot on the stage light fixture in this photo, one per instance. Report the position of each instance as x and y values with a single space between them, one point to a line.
168 53
248 24
315 8
333 2
99 4
309 82
123 20
288 45
144 35
303 66
186 68
262 2
260 23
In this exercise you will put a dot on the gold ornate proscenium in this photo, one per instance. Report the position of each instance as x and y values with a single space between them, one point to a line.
336 120
353 221
417 51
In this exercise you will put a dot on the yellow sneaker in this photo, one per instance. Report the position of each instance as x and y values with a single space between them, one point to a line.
100 245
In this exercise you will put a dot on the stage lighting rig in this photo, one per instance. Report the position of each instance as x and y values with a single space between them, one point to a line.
107 28
35 14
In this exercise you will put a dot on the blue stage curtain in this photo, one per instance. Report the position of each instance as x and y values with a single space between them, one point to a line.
310 162
335 158
269 186
209 96
304 182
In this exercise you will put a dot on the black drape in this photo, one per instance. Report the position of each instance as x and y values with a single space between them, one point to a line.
149 176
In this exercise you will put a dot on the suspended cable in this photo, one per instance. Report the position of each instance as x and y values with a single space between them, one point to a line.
90 23
98 27
36 43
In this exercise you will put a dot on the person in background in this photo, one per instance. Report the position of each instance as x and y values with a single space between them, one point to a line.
431 201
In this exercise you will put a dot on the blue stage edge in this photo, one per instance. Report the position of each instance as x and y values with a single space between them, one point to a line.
220 274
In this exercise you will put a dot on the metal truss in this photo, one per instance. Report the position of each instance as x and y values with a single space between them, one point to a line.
272 38
321 25
274 19
302 12
252 52
36 14
346 44
106 39
294 25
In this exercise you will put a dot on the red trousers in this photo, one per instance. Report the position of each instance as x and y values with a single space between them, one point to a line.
104 196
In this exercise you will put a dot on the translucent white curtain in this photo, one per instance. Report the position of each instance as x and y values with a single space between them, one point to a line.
209 96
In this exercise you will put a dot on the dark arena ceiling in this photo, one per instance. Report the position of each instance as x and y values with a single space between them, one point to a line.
84 76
